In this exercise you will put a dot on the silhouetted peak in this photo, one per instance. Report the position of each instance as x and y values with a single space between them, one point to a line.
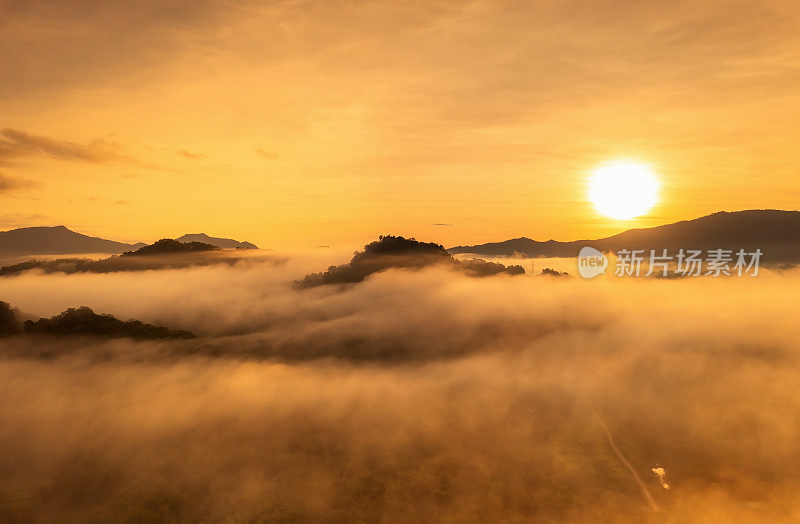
397 245
9 321
774 231
54 240
168 246
224 243
399 252
84 321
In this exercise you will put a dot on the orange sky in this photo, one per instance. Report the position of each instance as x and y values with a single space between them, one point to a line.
298 123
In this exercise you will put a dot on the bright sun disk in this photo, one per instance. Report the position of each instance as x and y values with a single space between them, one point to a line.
623 190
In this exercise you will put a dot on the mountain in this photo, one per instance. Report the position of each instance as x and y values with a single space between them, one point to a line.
82 321
168 246
225 243
57 240
399 252
776 233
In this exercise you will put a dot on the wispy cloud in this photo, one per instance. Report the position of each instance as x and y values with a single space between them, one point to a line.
19 144
188 154
8 184
15 220
265 153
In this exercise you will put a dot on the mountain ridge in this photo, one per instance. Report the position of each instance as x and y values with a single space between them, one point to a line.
56 240
60 240
225 243
776 232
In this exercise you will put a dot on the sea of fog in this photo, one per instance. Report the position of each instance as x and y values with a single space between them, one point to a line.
413 396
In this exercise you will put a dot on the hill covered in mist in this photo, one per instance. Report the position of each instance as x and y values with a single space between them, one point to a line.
82 321
163 254
168 246
399 252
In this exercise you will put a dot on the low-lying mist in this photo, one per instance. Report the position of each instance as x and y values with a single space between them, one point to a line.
413 396
118 263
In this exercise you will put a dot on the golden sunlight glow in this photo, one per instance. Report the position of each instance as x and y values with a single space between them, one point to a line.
623 190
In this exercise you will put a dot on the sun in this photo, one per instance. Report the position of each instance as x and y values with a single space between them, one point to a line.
623 190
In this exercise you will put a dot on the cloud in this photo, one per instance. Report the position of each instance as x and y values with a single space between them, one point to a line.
193 156
17 220
129 263
264 153
84 40
419 392
430 92
16 144
8 184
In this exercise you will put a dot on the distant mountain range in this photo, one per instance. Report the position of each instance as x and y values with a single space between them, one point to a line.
776 233
225 243
58 240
